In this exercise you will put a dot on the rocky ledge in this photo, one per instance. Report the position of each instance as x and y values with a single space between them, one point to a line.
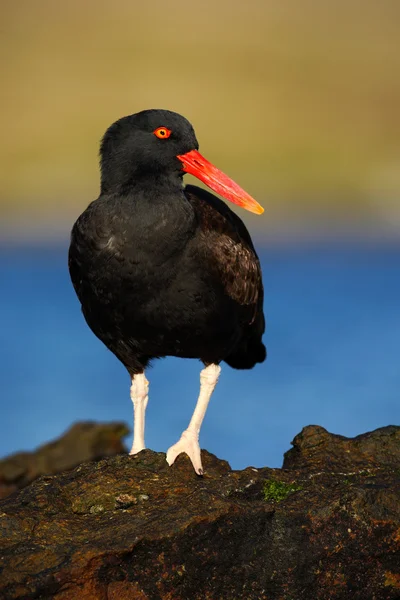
325 526
83 441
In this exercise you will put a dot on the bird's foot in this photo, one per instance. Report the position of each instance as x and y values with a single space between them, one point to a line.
137 448
189 444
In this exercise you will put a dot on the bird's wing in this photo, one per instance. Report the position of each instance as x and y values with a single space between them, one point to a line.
232 251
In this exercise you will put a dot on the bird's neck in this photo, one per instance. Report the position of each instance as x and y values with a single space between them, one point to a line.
155 210
135 182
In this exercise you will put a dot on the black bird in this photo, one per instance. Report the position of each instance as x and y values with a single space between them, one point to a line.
166 270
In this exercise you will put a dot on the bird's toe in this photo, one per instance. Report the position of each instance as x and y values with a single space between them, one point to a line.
136 449
190 445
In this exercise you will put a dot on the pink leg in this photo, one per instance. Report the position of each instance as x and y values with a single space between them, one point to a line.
189 441
139 397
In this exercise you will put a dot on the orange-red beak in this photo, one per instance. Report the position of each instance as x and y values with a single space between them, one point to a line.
195 164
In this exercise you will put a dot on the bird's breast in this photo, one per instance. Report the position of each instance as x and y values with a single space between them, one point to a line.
121 246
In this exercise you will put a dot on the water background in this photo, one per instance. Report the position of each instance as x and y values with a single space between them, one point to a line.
333 333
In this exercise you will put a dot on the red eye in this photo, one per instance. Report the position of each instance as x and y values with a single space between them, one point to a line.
162 132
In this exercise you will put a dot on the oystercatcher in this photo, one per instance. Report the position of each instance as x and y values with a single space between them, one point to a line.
162 269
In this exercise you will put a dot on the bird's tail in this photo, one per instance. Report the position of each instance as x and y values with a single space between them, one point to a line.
247 355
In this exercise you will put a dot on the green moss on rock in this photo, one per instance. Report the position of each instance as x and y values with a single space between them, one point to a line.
276 491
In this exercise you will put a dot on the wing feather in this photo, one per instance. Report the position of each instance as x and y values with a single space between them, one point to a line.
233 253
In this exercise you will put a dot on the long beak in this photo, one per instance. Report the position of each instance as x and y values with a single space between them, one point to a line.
195 164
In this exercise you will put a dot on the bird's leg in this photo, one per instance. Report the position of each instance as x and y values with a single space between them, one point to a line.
189 441
139 397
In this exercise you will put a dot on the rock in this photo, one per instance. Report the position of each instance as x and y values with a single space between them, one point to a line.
82 442
316 448
325 527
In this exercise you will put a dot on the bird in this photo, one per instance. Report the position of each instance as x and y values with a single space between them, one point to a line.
162 269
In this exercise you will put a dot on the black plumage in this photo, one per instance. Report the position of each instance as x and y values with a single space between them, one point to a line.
161 269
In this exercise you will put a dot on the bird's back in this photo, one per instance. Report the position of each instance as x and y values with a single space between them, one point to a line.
232 255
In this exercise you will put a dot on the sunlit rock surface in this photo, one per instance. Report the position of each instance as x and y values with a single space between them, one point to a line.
327 526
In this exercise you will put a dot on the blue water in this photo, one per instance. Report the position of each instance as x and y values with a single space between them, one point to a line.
333 337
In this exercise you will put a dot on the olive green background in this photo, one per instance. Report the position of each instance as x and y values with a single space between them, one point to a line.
297 100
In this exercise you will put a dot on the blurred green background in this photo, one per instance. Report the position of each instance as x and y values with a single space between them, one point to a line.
296 100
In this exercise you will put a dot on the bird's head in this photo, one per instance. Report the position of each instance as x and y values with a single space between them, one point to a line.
160 144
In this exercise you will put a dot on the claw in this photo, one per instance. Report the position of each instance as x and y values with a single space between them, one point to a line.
190 445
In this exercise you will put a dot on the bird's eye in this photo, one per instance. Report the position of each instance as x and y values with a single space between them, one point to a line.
162 132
